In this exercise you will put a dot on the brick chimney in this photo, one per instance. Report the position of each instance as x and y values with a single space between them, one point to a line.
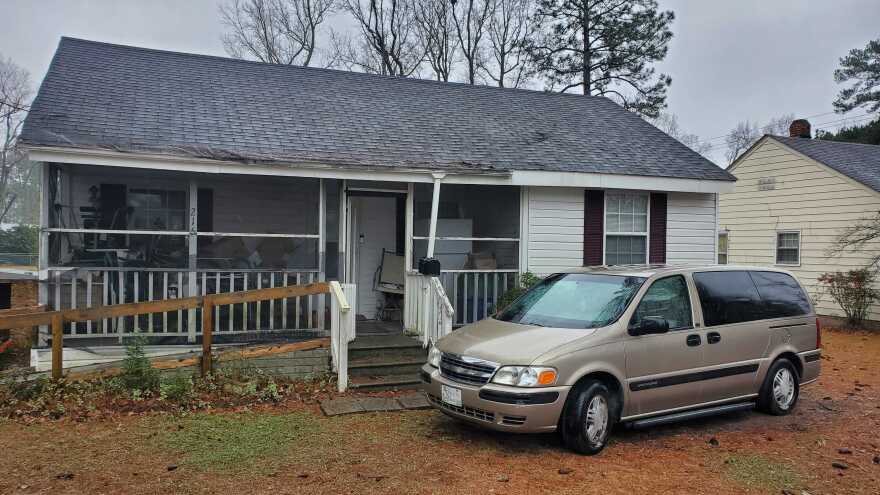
800 128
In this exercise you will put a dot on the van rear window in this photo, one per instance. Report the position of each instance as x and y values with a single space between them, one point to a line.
728 297
781 294
740 296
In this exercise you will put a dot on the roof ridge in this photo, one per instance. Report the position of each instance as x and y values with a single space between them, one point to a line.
406 79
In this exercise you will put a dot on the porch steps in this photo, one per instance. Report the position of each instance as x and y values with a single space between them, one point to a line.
385 362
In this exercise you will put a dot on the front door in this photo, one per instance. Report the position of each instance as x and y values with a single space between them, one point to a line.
375 232
662 368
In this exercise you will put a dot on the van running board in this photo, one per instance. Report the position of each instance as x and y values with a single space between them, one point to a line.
697 413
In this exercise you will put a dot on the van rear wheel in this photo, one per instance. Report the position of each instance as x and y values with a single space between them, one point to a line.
781 388
588 418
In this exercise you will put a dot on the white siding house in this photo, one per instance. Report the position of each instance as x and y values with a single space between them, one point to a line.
793 197
176 175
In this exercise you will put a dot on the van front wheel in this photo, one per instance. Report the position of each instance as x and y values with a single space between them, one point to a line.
588 418
780 390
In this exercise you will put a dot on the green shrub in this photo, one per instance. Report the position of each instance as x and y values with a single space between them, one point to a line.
177 387
138 376
526 280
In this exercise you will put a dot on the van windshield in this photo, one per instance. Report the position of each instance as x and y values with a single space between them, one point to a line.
573 300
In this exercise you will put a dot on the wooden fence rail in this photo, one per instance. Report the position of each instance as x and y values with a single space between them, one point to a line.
57 319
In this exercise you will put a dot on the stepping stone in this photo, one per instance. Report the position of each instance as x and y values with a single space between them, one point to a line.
335 407
380 404
416 400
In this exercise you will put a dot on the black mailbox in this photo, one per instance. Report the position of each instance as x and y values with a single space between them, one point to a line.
429 266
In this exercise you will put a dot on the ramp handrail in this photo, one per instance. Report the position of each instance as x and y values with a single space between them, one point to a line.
57 319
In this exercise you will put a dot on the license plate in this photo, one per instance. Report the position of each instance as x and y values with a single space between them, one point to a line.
451 395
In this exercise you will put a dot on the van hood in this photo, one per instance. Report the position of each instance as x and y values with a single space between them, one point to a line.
508 343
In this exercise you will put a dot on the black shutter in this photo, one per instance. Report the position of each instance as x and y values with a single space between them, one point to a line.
657 229
594 227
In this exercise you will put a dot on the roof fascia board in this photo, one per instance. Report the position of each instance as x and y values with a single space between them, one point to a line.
516 177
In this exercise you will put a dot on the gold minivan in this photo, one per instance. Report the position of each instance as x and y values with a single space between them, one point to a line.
589 348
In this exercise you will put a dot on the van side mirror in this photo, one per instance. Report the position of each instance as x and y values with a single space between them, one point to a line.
649 325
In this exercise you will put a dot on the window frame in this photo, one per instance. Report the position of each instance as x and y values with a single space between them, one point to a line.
646 234
690 301
726 253
776 248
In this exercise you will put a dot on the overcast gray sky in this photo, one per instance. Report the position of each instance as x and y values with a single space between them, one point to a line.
729 60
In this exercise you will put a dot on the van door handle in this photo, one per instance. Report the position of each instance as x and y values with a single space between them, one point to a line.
693 340
713 337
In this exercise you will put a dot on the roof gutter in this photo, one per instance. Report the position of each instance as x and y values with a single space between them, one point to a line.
158 161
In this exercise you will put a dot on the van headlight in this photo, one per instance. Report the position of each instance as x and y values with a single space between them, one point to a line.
525 376
434 357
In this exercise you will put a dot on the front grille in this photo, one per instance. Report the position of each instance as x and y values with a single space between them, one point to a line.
472 412
466 370
514 420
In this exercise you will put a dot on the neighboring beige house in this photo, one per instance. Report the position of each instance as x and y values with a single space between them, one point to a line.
793 197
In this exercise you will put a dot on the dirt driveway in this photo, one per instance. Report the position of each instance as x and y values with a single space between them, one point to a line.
292 449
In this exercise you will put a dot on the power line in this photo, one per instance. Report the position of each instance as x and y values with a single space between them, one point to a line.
841 122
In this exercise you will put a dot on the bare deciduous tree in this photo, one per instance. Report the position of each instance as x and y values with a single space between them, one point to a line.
15 93
740 139
668 123
471 18
388 42
746 133
511 25
274 31
436 31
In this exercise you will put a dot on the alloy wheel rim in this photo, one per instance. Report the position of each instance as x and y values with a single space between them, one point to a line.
597 419
783 388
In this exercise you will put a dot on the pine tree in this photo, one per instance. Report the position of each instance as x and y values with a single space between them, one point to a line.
605 47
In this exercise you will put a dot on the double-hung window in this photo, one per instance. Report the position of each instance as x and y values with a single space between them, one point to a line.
722 248
626 228
788 248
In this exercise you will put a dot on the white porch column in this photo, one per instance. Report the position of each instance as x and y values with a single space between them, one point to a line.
193 243
322 247
43 249
435 203
343 226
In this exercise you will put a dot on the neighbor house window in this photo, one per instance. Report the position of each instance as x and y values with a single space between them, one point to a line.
626 228
722 248
788 248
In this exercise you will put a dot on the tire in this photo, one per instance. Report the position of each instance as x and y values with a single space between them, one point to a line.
781 388
588 418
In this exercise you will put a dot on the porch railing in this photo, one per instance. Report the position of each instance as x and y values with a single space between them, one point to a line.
342 319
474 294
84 288
428 311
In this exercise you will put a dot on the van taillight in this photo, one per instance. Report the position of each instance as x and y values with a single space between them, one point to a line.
818 334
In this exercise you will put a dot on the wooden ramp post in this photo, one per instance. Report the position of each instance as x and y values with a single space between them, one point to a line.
207 329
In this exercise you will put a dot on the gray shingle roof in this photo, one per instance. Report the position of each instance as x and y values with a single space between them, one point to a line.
860 162
98 95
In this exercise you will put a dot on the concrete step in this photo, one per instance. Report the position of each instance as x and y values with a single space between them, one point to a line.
383 366
391 382
389 348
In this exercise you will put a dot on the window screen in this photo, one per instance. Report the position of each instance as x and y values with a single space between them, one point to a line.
668 299
728 297
788 246
781 295
626 229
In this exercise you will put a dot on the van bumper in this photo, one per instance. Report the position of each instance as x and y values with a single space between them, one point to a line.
498 407
810 361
